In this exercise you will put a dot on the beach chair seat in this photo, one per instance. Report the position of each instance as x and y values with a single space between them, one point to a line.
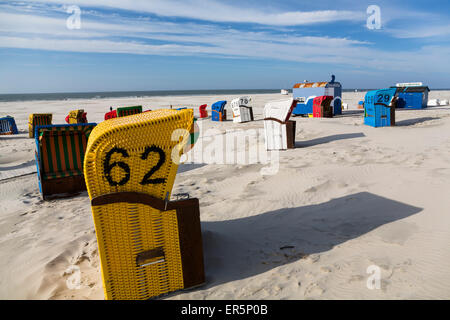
218 111
279 130
148 245
38 119
76 116
379 108
242 111
203 112
128 111
60 153
8 126
322 107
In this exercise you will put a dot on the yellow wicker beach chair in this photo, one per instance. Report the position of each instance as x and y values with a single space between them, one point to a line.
38 119
148 245
76 116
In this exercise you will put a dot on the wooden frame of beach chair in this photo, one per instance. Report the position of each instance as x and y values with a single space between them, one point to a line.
77 116
279 130
379 108
322 107
218 111
8 126
148 245
38 119
128 111
203 112
242 111
60 153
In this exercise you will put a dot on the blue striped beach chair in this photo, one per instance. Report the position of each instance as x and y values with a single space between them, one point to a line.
8 126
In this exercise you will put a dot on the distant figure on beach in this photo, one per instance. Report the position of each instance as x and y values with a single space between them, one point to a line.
110 108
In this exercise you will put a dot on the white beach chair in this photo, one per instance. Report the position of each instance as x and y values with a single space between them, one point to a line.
279 130
242 110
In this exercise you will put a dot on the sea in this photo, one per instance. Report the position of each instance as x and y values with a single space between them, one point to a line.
135 94
141 94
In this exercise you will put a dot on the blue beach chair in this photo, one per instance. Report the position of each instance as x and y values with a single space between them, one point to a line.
379 108
8 126
218 111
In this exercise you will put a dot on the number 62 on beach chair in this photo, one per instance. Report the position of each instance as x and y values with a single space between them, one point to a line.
148 245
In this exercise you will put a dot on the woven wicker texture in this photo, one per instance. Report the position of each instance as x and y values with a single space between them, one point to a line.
38 119
134 154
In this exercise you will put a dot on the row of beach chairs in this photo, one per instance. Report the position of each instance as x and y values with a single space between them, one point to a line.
148 244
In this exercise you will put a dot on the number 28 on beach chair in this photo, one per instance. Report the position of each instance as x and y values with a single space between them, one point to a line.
148 245
279 130
59 157
38 119
379 108
8 126
242 111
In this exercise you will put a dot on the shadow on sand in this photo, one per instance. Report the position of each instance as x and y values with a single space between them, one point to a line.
411 122
19 166
189 166
335 137
241 248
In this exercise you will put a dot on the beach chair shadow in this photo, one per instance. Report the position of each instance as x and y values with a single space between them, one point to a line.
351 113
411 122
189 166
327 139
241 248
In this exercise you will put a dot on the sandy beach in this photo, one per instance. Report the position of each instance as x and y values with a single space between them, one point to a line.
348 198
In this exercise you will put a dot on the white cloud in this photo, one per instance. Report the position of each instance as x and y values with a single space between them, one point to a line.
216 11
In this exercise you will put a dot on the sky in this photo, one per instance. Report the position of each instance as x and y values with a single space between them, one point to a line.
124 45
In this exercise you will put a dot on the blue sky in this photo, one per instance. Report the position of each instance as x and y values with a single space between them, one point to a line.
218 44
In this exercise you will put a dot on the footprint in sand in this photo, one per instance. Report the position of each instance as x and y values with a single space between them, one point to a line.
313 290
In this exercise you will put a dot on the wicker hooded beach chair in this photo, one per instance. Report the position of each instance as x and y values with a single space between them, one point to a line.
128 111
77 116
242 110
148 245
8 126
219 113
279 130
322 107
38 119
379 108
59 157
203 112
